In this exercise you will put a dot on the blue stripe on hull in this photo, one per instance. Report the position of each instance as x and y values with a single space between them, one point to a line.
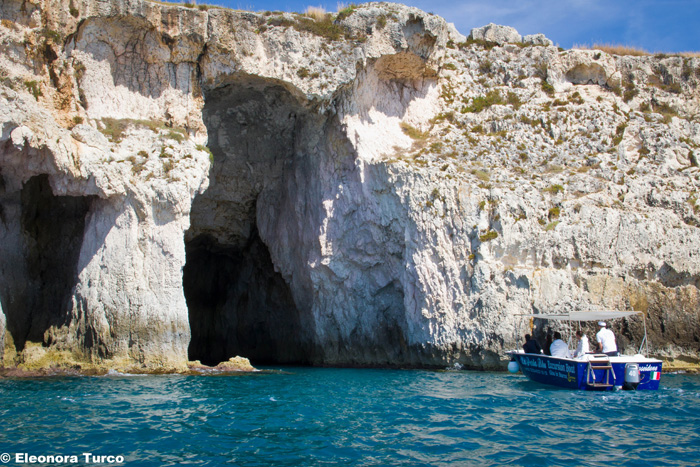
572 374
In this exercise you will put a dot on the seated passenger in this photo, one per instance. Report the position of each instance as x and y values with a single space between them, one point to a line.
531 345
582 348
559 348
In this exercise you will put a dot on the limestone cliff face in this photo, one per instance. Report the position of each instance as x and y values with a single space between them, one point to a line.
367 189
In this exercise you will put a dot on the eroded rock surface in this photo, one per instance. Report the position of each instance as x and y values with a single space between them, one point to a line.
369 188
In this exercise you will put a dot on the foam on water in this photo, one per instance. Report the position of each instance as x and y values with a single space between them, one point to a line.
120 373
306 416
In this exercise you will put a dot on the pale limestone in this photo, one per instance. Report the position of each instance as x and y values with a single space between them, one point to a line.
381 238
496 33
537 39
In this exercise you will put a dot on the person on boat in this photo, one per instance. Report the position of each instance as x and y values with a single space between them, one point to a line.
606 340
548 342
559 348
531 345
582 348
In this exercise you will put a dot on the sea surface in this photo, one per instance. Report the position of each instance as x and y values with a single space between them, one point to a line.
314 416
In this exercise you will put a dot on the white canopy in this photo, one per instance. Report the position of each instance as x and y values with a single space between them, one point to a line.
600 315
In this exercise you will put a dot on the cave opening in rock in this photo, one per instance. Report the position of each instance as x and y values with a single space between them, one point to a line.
238 303
44 234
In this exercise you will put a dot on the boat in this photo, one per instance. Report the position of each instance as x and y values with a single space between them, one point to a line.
592 371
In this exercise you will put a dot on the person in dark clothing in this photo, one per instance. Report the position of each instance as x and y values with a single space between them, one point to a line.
548 342
531 345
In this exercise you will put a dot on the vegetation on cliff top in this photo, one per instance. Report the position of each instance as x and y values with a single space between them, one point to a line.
114 128
622 49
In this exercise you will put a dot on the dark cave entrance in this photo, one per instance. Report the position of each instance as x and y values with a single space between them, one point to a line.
238 303
40 269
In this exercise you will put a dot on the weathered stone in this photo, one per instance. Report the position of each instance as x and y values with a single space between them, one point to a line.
586 67
353 206
496 33
537 39
235 364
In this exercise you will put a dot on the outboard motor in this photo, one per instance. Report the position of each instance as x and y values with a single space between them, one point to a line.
632 376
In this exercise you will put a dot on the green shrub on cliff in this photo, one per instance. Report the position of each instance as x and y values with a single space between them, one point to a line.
488 236
482 175
554 189
314 22
630 92
187 5
513 99
33 87
551 226
488 45
665 110
345 12
480 103
324 27
547 88
412 132
114 128
693 201
619 134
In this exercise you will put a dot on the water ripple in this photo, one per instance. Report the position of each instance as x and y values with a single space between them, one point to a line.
351 417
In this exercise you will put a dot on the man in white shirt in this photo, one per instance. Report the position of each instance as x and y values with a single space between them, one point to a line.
582 348
606 340
559 348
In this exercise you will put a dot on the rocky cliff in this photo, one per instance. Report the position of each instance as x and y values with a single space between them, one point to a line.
366 188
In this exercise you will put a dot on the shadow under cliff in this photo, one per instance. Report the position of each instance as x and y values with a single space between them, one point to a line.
239 304
43 234
287 258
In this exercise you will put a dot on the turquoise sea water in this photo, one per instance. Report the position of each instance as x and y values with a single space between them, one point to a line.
310 416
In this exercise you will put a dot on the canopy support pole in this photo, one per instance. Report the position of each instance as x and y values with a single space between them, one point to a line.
645 341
